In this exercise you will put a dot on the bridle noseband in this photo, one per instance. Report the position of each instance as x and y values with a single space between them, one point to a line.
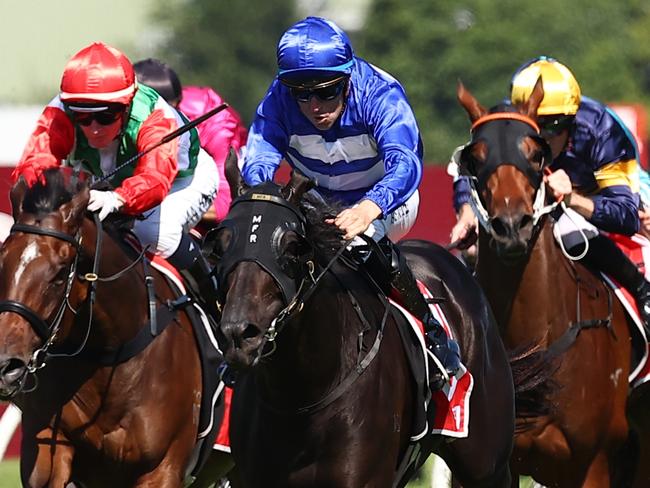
44 330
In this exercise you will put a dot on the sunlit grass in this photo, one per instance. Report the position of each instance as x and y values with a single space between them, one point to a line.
10 477
9 474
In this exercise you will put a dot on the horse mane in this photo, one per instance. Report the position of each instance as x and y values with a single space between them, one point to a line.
56 187
326 238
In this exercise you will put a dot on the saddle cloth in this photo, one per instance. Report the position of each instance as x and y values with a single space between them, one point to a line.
444 412
637 249
215 401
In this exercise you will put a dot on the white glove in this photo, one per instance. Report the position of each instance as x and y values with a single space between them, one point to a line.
106 202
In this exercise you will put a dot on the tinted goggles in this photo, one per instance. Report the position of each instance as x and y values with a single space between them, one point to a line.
324 94
554 125
103 117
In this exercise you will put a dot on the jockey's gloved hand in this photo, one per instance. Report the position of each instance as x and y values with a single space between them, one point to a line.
105 202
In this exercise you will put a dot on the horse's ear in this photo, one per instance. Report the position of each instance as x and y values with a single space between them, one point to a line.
74 211
298 185
474 109
534 100
16 196
233 175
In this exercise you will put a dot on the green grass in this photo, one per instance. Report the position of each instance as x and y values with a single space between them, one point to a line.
10 478
9 475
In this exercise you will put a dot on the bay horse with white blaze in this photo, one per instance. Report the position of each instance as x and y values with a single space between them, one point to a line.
324 394
103 406
539 296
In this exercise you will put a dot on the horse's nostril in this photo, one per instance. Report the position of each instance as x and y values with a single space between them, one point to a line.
250 332
12 369
499 227
526 220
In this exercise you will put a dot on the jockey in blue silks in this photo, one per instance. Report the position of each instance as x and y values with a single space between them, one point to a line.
595 172
347 125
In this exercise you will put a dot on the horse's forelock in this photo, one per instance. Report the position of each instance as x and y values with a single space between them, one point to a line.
326 238
56 188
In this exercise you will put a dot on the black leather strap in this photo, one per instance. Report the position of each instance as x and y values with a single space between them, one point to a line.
33 229
38 324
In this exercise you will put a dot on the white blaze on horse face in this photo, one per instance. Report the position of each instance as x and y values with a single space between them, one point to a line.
29 254
257 219
507 199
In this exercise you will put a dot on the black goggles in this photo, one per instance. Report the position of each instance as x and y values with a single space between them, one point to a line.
103 117
554 125
324 94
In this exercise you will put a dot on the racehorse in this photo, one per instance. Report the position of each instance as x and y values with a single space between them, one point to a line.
324 396
109 395
539 296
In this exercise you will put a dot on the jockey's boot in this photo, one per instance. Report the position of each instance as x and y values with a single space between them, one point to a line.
444 348
604 255
196 272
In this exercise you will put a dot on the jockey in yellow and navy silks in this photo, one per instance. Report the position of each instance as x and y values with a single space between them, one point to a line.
349 126
595 170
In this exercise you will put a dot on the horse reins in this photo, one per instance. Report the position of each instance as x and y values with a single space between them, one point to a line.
48 332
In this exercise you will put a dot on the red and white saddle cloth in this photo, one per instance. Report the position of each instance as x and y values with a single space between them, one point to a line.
637 248
451 404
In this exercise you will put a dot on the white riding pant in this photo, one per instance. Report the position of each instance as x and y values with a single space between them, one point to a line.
571 226
396 224
188 199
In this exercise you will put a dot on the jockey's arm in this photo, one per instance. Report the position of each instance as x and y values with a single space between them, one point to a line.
393 126
614 208
267 143
50 143
156 170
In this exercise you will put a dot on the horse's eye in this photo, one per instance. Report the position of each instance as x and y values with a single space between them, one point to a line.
61 277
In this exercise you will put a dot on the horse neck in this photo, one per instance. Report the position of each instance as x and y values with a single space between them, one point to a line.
525 296
316 350
120 305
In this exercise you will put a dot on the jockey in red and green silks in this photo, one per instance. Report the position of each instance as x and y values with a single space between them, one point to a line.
100 119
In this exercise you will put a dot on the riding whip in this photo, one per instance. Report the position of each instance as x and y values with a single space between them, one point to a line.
172 135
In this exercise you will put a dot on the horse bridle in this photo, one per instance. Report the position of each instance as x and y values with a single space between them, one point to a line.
48 332
510 128
295 295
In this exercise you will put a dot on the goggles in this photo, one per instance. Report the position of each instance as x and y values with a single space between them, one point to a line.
103 115
555 124
324 92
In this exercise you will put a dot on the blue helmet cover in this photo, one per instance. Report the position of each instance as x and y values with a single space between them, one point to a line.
314 48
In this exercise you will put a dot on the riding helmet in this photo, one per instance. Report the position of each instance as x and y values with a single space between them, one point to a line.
98 73
561 90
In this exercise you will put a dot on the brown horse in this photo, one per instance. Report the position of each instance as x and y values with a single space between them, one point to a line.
539 296
104 403
324 395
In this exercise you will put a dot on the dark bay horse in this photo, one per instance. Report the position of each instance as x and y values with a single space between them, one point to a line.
99 408
539 296
324 396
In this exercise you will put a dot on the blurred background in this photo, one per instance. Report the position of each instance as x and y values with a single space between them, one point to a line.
427 44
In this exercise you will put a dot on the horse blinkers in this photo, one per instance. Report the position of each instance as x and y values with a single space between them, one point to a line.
273 236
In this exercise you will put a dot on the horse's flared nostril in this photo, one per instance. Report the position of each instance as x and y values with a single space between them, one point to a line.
501 227
12 368
240 332
509 226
